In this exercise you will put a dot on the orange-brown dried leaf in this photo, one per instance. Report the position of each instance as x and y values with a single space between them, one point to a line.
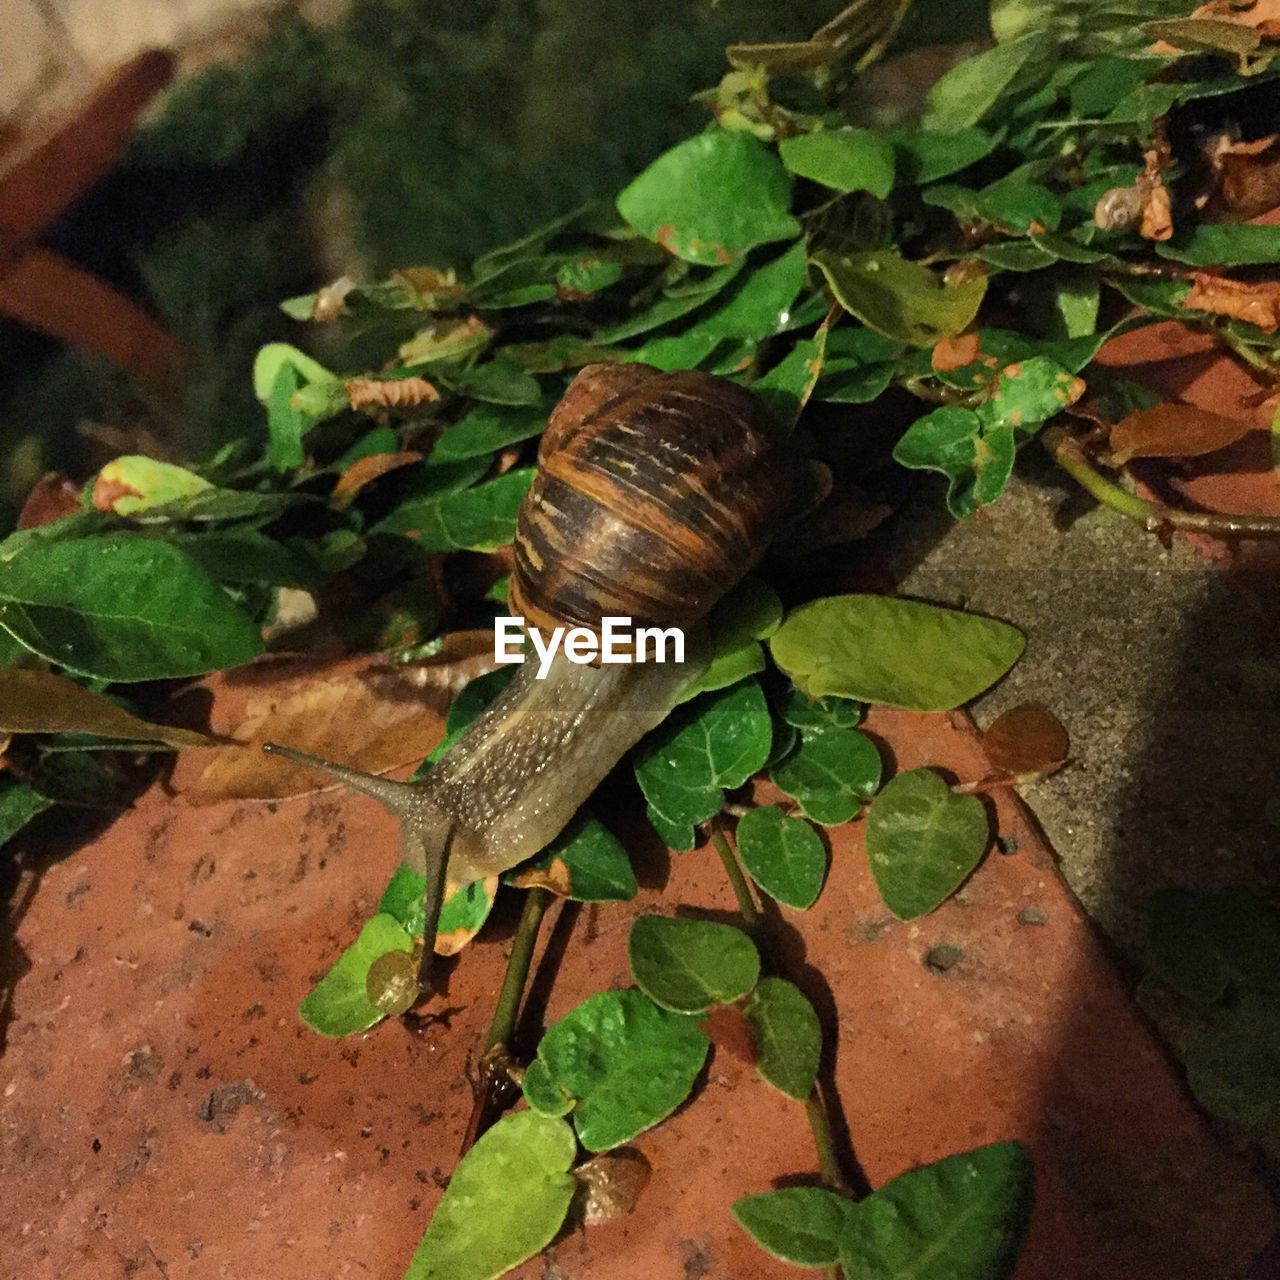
554 877
1027 739
1263 14
955 353
1173 431
609 1186
1157 208
390 393
365 712
727 1028
34 701
1257 303
1246 176
52 497
366 470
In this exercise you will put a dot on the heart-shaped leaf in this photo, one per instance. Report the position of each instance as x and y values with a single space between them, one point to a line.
787 1036
689 965
831 773
783 855
505 1202
800 1225
923 842
586 862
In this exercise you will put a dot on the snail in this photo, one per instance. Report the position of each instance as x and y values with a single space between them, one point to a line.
655 492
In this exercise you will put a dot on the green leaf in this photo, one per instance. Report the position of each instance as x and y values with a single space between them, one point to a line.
689 965
898 652
924 157
923 842
843 159
976 458
339 1004
486 429
1019 205
627 1064
505 1203
276 356
800 1225
973 86
719 740
542 1093
1028 393
962 1218
712 198
463 913
585 862
1224 245
498 382
1016 255
672 306
19 803
247 556
899 298
478 519
783 855
1204 943
134 483
285 423
786 388
787 1037
831 774
122 608
762 306
815 714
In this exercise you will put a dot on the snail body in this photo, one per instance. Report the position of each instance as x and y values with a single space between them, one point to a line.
655 493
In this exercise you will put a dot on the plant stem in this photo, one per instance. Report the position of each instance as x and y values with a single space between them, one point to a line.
814 1107
1153 516
493 1077
536 902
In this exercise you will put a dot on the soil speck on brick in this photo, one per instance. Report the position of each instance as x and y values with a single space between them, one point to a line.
1032 915
219 1109
697 1259
943 958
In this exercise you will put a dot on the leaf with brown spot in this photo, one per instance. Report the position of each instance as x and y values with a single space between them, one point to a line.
365 712
390 393
1173 431
1157 207
366 470
1255 303
554 876
33 701
955 353
609 1185
1027 739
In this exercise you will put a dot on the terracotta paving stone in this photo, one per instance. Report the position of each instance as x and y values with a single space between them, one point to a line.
162 1109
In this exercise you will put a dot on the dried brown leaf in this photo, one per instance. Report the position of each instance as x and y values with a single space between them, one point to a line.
52 497
1257 303
1261 14
390 393
609 1185
1246 176
1173 431
365 712
1027 739
364 471
33 701
1157 208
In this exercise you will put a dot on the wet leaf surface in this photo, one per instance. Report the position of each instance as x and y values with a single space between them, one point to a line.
712 198
783 855
339 1004
801 1225
586 862
689 965
831 773
923 842
962 1218
479 519
505 1202
122 608
627 1063
787 1036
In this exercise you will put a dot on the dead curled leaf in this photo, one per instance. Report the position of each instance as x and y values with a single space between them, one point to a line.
1245 176
366 712
1157 208
609 1185
1027 739
52 497
390 393
1173 431
364 471
1255 303
33 701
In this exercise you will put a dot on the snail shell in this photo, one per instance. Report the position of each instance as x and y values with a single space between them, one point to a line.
655 493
